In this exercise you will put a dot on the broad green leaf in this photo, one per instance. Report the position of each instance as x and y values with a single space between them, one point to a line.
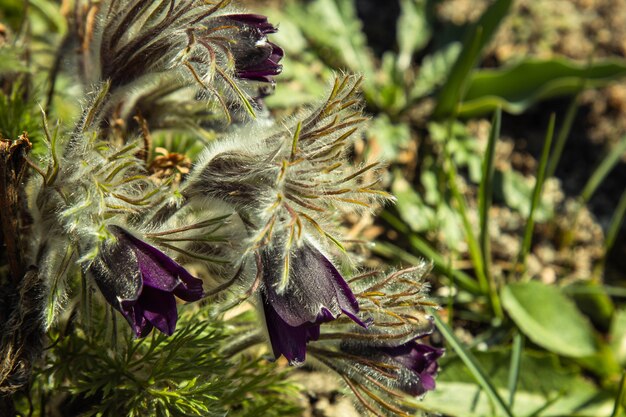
603 364
592 299
516 88
549 318
481 33
618 336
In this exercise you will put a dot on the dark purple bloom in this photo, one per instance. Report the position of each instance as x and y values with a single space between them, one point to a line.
256 58
421 360
142 282
316 294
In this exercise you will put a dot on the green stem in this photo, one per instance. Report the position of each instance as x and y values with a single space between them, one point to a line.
541 175
516 361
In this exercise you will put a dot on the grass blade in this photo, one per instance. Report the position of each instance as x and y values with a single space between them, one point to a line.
485 192
605 167
472 364
516 362
541 175
472 242
485 198
621 395
616 223
561 138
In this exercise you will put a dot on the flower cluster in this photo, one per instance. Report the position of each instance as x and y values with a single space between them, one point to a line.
257 216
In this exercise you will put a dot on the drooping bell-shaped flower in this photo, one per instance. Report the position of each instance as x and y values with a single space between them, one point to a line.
256 58
421 360
316 293
142 282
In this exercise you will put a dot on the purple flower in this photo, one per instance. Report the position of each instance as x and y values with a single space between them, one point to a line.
142 282
316 294
255 57
418 358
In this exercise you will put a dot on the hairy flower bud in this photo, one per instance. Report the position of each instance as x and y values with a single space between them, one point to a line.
292 178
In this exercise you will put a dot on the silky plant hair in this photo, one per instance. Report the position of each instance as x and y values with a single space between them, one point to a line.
259 218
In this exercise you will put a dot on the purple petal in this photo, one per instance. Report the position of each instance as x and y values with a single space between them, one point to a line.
190 288
142 282
160 271
347 301
255 20
419 358
314 285
133 313
286 340
159 308
427 381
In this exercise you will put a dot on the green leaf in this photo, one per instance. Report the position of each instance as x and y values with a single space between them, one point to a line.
618 336
609 162
434 69
549 318
10 61
536 196
389 92
453 91
334 25
545 388
593 300
518 87
424 248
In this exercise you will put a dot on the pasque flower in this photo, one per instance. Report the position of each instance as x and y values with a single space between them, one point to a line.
142 282
255 57
316 294
418 358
